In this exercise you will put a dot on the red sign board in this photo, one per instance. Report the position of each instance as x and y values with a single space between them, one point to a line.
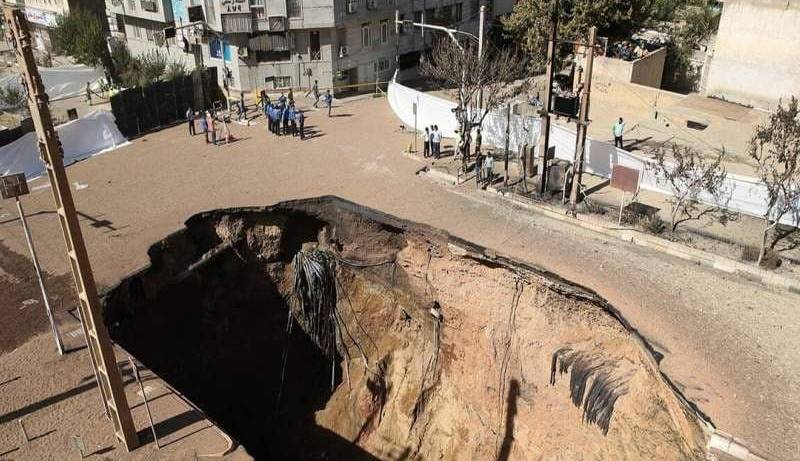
625 179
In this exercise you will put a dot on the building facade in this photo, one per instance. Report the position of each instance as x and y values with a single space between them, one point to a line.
42 16
755 56
347 45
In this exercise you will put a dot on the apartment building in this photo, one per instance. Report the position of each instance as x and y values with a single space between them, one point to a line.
342 44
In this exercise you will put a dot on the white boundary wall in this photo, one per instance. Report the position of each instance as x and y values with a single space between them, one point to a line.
744 194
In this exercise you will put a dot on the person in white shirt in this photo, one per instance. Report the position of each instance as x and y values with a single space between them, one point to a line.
426 143
436 138
488 169
618 129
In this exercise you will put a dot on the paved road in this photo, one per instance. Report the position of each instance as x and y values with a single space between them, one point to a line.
731 344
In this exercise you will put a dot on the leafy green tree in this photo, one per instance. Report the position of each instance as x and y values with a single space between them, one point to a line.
693 21
529 22
80 34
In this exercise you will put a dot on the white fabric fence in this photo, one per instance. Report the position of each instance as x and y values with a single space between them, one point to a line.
87 136
743 194
60 82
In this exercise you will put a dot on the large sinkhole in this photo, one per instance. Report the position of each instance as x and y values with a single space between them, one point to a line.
322 330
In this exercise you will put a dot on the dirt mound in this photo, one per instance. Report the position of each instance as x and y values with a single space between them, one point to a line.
318 329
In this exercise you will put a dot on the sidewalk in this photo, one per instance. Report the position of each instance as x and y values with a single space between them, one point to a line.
702 242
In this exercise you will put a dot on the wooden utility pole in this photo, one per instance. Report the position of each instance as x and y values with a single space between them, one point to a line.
583 122
544 126
100 349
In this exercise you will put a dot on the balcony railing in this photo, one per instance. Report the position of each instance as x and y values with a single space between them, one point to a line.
237 23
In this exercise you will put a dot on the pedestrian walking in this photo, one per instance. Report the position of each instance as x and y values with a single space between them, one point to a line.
242 107
282 99
426 143
618 129
204 125
291 97
301 122
437 142
478 141
190 119
88 94
315 92
329 101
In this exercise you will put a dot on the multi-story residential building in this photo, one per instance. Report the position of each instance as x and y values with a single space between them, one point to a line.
292 43
43 14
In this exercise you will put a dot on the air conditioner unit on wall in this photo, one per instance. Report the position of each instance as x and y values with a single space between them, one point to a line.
352 7
343 51
372 5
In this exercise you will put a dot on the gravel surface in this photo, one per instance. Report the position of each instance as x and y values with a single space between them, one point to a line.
729 343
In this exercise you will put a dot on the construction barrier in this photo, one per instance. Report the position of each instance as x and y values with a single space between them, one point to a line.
744 194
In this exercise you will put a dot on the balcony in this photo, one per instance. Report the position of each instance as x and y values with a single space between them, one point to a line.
237 23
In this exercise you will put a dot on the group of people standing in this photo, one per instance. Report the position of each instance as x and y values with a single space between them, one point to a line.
212 125
283 117
432 142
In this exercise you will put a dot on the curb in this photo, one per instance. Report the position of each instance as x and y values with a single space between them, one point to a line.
639 238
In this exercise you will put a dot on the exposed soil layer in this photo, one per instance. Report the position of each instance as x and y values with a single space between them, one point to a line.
443 350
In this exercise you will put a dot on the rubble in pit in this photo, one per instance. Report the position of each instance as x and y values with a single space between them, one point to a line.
401 343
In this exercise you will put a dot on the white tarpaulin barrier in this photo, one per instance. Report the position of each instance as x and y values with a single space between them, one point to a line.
61 82
90 135
743 194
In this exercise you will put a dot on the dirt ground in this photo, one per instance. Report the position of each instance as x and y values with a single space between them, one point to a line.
729 343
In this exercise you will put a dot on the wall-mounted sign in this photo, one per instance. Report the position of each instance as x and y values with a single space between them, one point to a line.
41 17
235 6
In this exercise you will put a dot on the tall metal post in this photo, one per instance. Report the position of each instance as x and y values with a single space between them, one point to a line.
544 134
480 51
100 349
56 336
583 122
508 136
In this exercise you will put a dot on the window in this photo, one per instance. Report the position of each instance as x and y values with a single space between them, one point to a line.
282 82
381 65
132 5
258 9
365 35
313 47
418 16
385 31
457 13
294 8
400 26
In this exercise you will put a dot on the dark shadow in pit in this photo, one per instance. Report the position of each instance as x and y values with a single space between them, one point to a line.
218 335
511 414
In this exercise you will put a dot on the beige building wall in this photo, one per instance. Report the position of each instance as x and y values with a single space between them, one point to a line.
647 70
756 58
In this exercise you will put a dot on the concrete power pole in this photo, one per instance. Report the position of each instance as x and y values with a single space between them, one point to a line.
480 50
583 121
101 352
544 126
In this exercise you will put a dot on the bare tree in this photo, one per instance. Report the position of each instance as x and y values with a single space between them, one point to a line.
456 66
775 146
689 175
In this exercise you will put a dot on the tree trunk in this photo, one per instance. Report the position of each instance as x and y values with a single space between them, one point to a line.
765 234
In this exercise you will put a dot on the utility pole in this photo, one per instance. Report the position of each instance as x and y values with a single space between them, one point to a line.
480 51
104 364
544 126
583 122
508 135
